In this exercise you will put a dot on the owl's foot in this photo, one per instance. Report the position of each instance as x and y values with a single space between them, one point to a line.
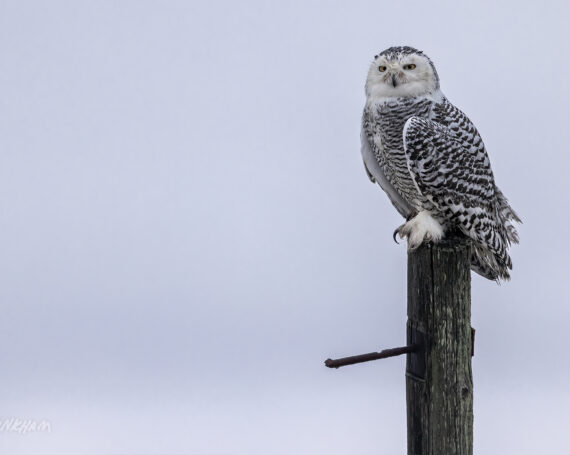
422 227
408 218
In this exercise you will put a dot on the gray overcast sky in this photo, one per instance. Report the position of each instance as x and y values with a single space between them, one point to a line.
187 230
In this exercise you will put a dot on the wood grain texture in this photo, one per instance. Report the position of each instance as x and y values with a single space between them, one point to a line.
440 398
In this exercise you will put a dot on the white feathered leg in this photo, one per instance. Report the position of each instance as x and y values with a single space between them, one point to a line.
422 227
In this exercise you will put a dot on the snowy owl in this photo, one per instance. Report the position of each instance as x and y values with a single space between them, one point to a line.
430 160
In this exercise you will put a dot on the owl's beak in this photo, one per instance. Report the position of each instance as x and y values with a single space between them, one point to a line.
394 81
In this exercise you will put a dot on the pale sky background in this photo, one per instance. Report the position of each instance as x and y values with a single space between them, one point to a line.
187 231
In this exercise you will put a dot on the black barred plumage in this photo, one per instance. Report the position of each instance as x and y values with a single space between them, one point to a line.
431 161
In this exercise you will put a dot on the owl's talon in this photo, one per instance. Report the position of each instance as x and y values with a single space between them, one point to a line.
396 232
421 228
412 246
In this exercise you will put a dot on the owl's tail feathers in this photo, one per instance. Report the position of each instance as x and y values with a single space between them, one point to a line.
494 263
507 216
489 265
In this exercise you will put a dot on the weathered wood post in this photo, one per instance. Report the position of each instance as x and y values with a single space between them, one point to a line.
439 382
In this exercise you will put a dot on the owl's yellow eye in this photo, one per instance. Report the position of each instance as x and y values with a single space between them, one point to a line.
409 66
382 69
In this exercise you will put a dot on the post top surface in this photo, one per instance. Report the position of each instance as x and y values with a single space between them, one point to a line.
452 240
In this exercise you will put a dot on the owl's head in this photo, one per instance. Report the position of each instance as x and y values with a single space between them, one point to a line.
401 72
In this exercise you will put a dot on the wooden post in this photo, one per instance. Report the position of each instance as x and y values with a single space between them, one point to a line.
439 382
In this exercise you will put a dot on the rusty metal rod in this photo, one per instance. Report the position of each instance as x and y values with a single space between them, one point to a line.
337 363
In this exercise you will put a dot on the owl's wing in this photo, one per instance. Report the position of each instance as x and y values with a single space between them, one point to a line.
451 168
376 175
